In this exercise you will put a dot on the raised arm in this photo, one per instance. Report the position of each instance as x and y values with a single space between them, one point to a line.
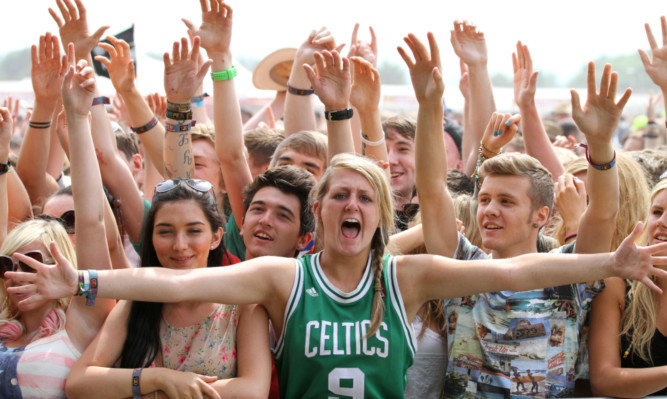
535 137
332 81
299 111
437 207
78 92
656 66
365 99
598 120
216 35
470 46
47 75
73 28
6 130
368 52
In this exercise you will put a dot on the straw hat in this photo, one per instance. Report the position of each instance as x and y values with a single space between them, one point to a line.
273 71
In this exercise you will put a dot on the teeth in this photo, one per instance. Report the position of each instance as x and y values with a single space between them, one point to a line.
262 235
492 226
351 221
661 238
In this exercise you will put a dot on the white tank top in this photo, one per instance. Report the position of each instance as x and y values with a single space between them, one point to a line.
426 377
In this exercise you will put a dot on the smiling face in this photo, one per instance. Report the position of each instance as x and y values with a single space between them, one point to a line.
348 214
182 236
505 216
272 223
657 219
401 157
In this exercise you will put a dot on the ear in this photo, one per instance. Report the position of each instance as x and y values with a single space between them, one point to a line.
316 207
136 162
216 238
541 216
303 241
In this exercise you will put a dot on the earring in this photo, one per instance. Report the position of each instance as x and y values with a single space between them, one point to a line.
535 225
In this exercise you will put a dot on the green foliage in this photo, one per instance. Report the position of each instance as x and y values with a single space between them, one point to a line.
630 73
15 65
392 73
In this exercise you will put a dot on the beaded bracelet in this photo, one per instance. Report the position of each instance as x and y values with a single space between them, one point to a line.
146 127
39 125
136 383
299 92
179 115
480 159
224 75
602 167
179 127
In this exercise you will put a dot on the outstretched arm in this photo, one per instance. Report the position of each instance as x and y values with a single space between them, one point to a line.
437 207
598 120
331 81
369 52
78 91
216 35
537 141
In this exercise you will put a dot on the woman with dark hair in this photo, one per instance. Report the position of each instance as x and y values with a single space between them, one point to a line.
187 345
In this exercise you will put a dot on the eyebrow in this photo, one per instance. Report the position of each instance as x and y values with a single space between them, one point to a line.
164 224
283 207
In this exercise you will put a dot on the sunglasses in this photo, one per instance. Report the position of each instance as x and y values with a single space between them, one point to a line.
9 264
196 184
67 219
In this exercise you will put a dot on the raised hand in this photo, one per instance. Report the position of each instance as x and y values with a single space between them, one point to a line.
464 81
74 27
525 79
48 69
119 64
500 131
6 128
362 49
182 76
366 87
318 41
600 115
215 31
78 88
638 263
469 43
426 69
331 79
158 104
656 66
571 200
49 282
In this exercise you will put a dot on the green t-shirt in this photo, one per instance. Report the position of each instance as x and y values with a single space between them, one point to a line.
137 246
322 351
233 239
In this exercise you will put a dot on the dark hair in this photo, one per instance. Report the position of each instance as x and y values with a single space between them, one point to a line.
290 180
143 327
455 131
459 183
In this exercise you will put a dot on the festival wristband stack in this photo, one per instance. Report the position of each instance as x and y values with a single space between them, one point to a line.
179 111
198 101
101 100
146 127
88 286
179 127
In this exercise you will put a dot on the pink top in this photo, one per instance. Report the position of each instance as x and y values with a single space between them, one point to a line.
207 347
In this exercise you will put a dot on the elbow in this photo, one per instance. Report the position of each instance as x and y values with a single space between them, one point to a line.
74 385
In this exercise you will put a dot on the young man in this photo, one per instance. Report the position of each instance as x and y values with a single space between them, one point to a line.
492 334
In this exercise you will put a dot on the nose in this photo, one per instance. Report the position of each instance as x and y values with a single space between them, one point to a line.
392 156
266 219
180 242
352 203
489 209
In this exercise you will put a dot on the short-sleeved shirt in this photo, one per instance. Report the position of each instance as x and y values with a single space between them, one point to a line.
496 339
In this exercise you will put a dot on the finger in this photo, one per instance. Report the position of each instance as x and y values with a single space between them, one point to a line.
42 48
650 284
185 49
433 46
312 76
346 65
175 51
651 39
605 80
82 9
463 67
34 58
591 80
580 186
527 58
406 57
663 23
515 63
624 100
191 27
613 86
374 41
215 6
21 289
71 58
657 248
167 61
576 103
419 47
335 59
48 46
208 390
98 33
56 48
73 12
271 119
204 6
104 60
203 70
56 18
645 58
66 16
533 80
320 62
354 33
113 54
196 43
437 77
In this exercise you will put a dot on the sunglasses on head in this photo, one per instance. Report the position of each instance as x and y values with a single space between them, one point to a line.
9 264
66 219
196 184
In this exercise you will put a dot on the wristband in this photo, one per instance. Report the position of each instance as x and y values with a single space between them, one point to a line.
178 107
179 115
570 236
92 294
224 75
339 115
602 167
375 143
180 127
483 147
136 383
197 99
39 125
299 92
84 283
4 167
101 100
146 127
197 104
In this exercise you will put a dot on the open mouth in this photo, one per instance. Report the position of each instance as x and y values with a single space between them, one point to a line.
661 238
263 236
492 227
351 228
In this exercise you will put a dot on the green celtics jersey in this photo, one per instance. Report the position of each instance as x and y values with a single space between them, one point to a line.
323 351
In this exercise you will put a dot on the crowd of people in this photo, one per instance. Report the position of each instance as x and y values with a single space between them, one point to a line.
166 245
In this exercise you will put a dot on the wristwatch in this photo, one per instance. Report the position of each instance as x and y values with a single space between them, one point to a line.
338 115
4 168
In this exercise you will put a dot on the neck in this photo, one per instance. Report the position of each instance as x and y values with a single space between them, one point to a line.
515 250
32 320
344 272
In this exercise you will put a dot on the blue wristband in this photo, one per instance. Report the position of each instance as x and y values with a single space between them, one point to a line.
136 385
90 301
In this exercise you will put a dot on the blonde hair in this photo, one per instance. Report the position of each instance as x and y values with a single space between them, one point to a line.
42 231
638 322
633 197
383 198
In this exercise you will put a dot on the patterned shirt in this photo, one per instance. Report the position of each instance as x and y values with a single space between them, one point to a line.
515 344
